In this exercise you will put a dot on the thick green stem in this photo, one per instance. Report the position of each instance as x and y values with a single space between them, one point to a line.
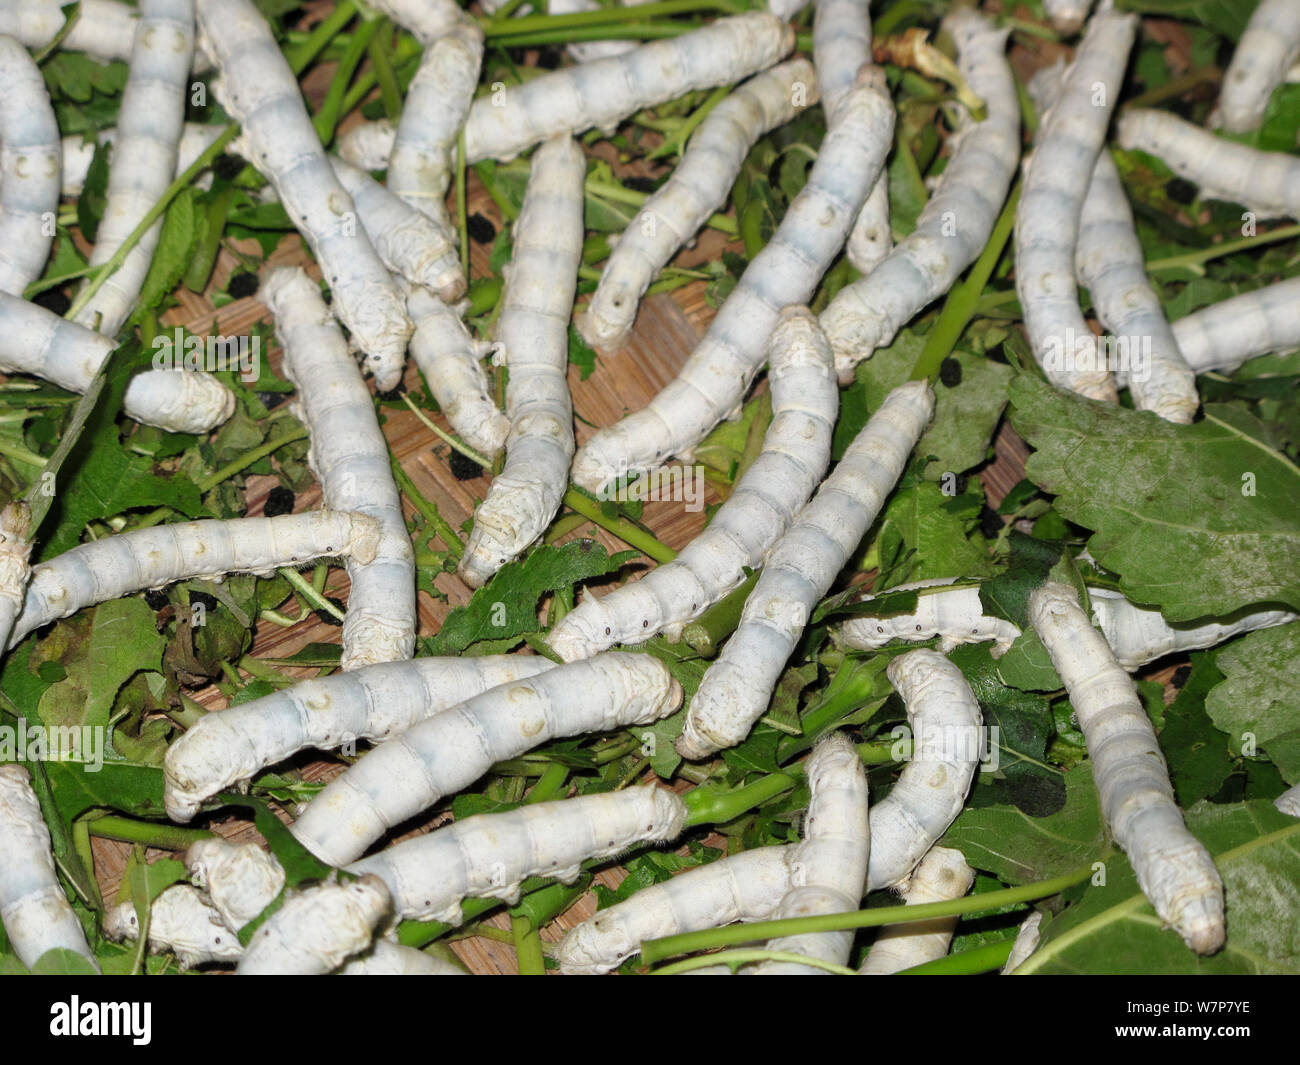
514 27
676 141
620 527
528 947
331 108
299 56
249 457
164 837
214 224
381 60
705 634
437 523
968 962
631 31
314 598
736 958
550 785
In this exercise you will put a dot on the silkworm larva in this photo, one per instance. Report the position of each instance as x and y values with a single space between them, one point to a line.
1223 335
1268 183
1138 635
104 29
155 557
368 144
796 450
1268 48
491 855
15 550
799 570
240 879
372 703
956 615
392 959
317 930
148 134
427 20
1173 868
1289 802
29 169
743 887
33 908
955 224
79 152
696 188
1067 16
829 867
1047 221
713 382
942 876
534 333
449 751
1026 942
350 458
451 361
181 922
945 721
259 91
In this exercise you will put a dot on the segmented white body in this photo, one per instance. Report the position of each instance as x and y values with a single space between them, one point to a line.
1138 635
829 867
426 19
181 922
259 91
154 557
955 224
602 93
1173 868
796 451
1266 182
451 361
240 879
29 169
373 703
534 333
105 29
437 102
798 571
748 886
698 186
1267 50
79 152
33 908
1047 220
942 876
491 855
1225 334
445 753
1026 942
713 381
318 930
1289 802
180 401
350 458
1067 16
392 959
148 135
947 740
368 144
15 550
955 615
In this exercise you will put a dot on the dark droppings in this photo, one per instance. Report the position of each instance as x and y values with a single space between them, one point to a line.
227 167
950 373
242 285
209 602
464 468
394 395
1180 676
156 598
1181 191
640 184
279 500
990 522
271 400
329 618
54 300
481 229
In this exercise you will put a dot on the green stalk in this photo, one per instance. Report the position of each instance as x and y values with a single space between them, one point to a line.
639 31
618 194
688 942
315 600
405 49
163 837
205 255
620 527
43 54
959 307
705 634
331 109
514 27
508 9
549 785
381 61
676 141
528 947
437 523
299 56
967 963
249 457
736 958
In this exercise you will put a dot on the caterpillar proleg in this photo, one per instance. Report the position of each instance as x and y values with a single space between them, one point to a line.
942 876
317 930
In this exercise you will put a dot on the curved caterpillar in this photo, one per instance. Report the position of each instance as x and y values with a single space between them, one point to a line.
712 383
697 186
955 615
942 876
955 224
79 153
181 922
490 856
799 570
1026 942
350 458
446 752
374 703
796 450
240 879
317 930
1173 868
533 330
154 557
1267 49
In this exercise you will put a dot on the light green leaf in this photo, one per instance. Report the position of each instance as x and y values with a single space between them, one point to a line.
1261 695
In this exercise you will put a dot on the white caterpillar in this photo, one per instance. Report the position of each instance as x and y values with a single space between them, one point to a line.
713 382
240 879
105 29
317 930
391 959
1026 942
1289 802
1138 635
1266 182
534 333
1173 868
33 908
368 144
798 571
29 169
955 615
748 886
1222 336
260 92
796 450
426 19
697 187
154 557
1067 16
491 855
79 152
181 922
1047 221
350 458
1268 48
602 93
942 876
444 753
451 361
148 134
15 550
945 721
829 867
373 703
955 224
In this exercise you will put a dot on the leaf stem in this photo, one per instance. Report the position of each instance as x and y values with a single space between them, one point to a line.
437 523
528 947
314 598
390 92
331 109
128 830
300 55
249 457
513 27
736 958
705 634
620 527
968 962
